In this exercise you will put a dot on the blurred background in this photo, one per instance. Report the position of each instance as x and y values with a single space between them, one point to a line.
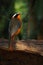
31 15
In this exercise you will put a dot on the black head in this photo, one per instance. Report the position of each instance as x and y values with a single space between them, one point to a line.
16 14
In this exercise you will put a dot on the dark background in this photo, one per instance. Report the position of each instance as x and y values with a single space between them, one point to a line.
31 15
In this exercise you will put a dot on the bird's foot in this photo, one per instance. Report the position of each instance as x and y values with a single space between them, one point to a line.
11 48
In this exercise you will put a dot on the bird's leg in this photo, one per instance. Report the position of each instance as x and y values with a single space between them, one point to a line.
12 44
9 41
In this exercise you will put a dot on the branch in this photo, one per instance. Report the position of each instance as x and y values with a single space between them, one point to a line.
32 46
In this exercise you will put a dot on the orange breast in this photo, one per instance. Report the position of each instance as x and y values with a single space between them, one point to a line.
16 33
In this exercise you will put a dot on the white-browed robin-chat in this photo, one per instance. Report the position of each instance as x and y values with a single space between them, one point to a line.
14 28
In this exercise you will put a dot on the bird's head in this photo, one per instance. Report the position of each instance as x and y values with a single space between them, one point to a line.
17 15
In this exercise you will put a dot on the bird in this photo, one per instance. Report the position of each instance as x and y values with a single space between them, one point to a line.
15 26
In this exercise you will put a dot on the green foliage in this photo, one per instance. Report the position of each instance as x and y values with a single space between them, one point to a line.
21 6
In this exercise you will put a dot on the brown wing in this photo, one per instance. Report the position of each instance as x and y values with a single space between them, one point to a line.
14 25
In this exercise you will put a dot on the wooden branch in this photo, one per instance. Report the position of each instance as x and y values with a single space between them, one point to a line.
32 46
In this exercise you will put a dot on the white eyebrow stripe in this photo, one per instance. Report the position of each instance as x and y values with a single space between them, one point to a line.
14 15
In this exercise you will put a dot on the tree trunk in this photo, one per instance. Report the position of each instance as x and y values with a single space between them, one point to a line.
32 24
35 25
